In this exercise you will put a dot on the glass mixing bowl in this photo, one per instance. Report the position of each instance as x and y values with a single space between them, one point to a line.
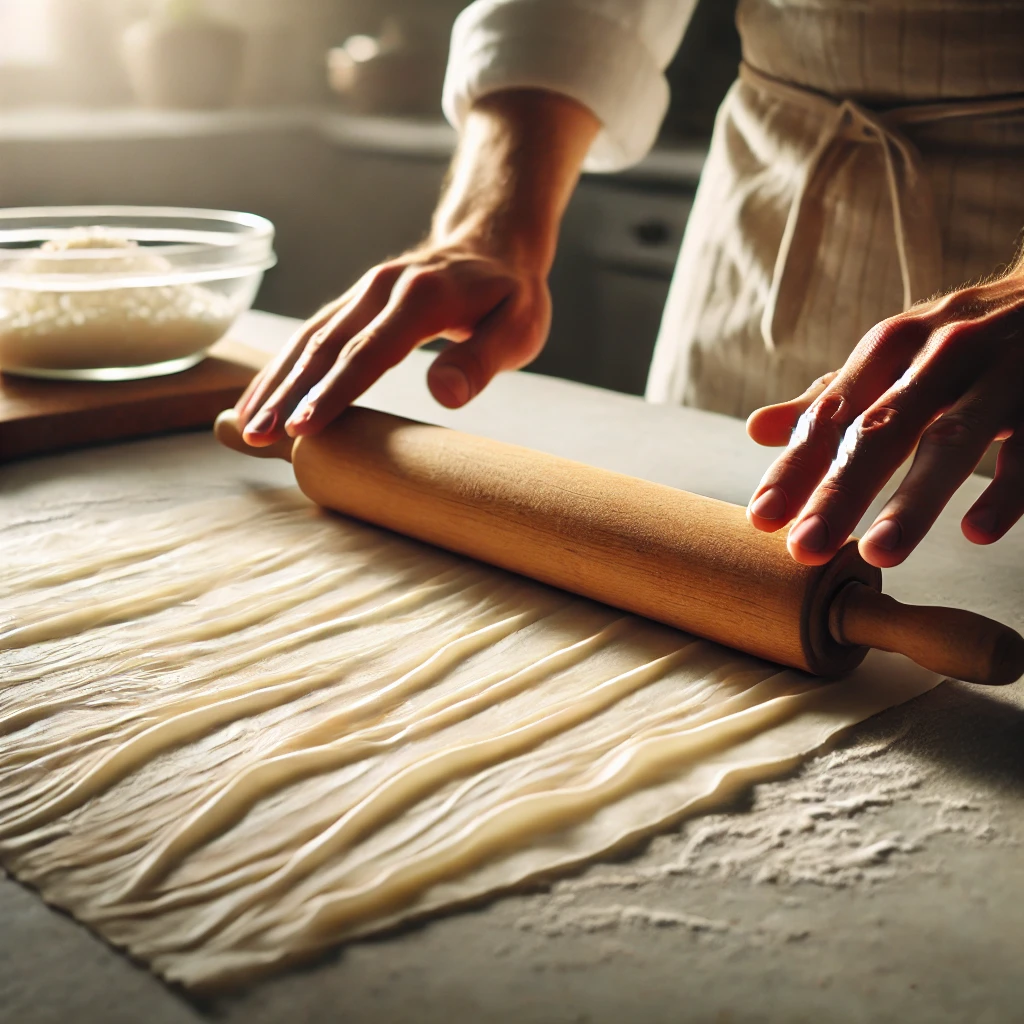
122 292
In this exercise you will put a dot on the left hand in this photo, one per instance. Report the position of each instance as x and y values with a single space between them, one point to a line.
947 378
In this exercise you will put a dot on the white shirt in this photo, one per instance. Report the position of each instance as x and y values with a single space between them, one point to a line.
609 55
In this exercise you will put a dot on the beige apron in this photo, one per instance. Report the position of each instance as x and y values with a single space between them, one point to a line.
870 154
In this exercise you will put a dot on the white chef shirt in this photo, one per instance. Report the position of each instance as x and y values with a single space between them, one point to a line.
609 55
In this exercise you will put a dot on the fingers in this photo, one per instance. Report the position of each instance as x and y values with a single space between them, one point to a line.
882 356
872 450
318 354
508 339
1001 504
772 426
949 451
423 306
885 435
264 383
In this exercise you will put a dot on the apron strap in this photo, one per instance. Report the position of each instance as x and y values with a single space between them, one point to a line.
917 235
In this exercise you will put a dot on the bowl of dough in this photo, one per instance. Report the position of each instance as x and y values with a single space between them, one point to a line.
120 293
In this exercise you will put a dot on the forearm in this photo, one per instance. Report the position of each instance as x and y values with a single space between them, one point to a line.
517 163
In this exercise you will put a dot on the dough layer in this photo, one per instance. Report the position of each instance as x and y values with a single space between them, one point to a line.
241 733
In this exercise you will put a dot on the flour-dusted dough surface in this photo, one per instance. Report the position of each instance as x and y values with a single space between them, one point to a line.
244 731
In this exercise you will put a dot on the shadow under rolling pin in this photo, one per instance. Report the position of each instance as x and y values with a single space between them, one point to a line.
691 562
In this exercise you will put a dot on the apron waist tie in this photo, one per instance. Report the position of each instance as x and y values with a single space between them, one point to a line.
917 234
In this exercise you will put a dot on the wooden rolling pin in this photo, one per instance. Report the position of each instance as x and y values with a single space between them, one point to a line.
687 561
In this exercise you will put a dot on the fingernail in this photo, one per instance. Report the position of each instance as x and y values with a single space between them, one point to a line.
771 504
811 534
262 424
450 385
885 534
983 519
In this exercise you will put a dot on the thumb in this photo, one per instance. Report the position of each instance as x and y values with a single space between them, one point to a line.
464 369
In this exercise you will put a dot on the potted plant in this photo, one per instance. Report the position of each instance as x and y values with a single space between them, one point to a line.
182 57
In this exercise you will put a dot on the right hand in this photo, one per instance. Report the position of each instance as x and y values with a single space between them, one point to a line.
495 310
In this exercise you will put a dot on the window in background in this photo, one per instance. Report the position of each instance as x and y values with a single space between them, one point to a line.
26 33
61 53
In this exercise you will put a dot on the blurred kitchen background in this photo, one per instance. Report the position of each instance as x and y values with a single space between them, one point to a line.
324 115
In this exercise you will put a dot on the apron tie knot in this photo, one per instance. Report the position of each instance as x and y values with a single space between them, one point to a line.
917 237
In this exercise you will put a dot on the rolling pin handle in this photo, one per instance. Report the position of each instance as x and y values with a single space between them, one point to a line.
955 643
227 431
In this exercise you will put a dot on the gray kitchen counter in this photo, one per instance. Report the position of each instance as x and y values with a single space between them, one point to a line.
880 882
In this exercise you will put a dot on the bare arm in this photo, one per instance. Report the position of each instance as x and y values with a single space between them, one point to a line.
478 279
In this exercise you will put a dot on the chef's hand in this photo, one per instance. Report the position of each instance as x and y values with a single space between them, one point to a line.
947 378
498 312
479 280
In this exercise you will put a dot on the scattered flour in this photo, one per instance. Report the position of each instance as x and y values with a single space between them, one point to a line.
830 825
560 916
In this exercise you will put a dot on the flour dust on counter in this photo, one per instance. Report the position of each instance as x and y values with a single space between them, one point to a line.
239 733
867 814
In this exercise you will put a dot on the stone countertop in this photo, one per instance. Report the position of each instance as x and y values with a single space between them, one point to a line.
879 882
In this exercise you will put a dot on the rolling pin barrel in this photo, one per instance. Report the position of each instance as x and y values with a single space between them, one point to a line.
681 559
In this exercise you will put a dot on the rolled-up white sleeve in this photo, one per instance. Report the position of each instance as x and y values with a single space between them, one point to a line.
609 55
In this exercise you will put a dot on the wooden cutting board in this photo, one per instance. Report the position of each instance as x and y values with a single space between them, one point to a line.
41 416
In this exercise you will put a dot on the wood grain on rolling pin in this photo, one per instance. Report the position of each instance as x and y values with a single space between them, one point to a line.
678 558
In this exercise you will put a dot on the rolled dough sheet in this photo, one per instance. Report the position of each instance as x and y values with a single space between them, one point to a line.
239 733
